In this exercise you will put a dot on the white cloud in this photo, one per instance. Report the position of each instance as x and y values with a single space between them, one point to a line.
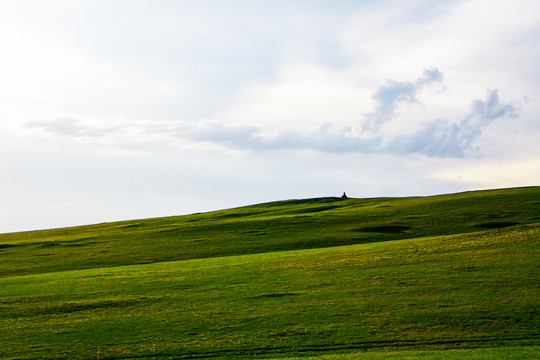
301 95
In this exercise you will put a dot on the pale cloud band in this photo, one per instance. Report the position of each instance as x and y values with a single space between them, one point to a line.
436 138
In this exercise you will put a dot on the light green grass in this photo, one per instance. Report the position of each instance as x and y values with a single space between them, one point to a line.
414 298
507 353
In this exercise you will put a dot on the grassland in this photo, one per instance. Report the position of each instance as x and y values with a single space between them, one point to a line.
450 276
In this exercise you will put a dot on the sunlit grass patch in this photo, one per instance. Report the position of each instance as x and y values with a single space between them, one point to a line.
509 353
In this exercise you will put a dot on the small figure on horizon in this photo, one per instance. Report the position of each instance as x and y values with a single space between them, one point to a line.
344 196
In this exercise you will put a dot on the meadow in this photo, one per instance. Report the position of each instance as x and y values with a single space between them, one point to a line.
449 276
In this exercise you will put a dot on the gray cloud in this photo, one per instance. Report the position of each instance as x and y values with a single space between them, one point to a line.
249 137
442 139
389 96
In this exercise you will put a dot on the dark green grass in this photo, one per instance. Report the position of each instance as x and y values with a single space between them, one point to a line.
450 276
278 226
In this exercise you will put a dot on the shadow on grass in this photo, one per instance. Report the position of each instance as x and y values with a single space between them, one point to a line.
386 229
496 224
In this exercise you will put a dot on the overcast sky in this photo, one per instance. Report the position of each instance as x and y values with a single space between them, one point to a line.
113 110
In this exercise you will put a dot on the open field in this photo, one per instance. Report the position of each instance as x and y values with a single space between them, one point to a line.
450 276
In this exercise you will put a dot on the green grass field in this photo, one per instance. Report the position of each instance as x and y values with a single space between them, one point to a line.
450 276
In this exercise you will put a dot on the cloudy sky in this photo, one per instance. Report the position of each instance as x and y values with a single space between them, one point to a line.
113 110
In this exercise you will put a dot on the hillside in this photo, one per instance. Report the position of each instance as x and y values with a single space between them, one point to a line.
277 226
327 277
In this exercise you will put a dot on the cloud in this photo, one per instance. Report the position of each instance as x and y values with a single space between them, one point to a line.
436 138
443 139
70 127
236 135
251 137
388 97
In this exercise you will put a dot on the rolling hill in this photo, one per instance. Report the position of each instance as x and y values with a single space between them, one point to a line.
448 276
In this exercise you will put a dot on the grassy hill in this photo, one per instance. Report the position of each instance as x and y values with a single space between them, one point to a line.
449 276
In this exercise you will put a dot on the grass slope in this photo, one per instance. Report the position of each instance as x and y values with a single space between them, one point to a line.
278 226
422 276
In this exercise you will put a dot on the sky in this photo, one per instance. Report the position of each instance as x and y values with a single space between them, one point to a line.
125 109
